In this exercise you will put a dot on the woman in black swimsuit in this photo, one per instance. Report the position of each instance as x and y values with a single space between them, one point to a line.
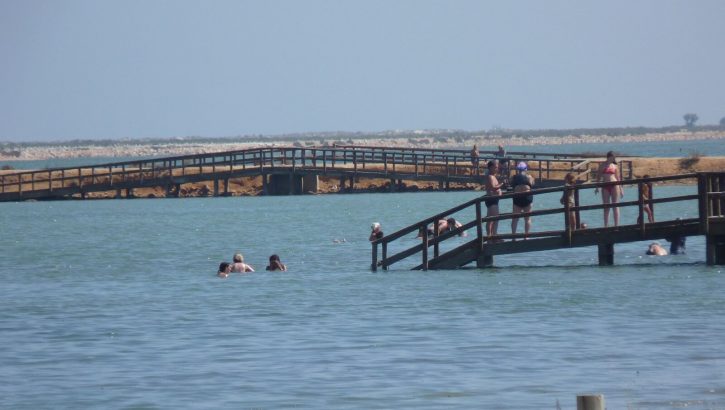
522 182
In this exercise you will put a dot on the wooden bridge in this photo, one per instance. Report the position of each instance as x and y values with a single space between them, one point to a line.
709 202
285 170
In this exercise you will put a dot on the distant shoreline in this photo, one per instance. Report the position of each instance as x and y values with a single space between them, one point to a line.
131 149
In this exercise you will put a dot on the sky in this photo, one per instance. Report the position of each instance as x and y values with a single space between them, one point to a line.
109 69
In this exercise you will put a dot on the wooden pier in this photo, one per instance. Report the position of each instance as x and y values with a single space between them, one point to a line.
709 203
284 171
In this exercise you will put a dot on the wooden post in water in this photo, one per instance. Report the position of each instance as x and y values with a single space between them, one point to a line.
425 247
715 249
374 264
606 254
590 402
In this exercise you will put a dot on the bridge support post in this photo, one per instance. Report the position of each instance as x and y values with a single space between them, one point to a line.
484 261
129 193
715 249
118 193
226 186
392 185
216 187
590 402
606 254
265 190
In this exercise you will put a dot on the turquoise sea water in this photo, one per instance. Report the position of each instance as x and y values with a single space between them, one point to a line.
115 304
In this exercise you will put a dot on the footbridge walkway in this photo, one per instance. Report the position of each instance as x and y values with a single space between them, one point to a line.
708 203
284 171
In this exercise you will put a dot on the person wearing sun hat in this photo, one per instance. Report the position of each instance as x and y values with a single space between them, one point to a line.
522 182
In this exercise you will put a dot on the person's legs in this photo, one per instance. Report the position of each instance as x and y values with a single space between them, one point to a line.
492 226
614 194
527 221
648 211
572 219
606 195
515 221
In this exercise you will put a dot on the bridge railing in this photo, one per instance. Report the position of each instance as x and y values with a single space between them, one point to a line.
710 196
406 161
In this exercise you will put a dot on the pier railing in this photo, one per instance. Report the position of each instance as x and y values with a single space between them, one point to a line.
220 164
710 221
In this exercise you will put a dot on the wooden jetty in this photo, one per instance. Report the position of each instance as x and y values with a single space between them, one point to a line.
284 171
481 250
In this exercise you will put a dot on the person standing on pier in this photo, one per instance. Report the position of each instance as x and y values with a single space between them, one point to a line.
568 198
376 232
474 159
610 193
522 182
493 188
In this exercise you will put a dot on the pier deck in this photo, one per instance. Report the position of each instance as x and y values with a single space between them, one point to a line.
283 171
709 204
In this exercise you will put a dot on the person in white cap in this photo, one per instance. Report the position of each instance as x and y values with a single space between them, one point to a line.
376 233
522 182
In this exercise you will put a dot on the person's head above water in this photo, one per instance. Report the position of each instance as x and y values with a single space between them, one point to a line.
375 226
274 258
492 164
522 166
224 267
238 258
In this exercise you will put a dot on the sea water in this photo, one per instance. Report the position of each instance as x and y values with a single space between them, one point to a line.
115 304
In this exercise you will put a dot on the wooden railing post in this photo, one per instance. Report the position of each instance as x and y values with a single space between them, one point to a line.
640 209
479 228
567 211
703 202
425 249
374 265
435 235
385 255
576 204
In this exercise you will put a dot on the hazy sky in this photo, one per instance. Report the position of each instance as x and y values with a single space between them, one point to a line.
147 68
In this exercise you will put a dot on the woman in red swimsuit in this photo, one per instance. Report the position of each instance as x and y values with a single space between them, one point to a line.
610 193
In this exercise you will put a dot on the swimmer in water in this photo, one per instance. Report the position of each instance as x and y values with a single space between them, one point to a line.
224 269
656 250
239 266
276 264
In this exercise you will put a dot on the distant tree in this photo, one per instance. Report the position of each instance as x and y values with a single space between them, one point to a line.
690 119
722 122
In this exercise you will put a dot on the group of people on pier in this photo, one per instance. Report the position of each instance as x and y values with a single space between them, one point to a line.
521 182
239 266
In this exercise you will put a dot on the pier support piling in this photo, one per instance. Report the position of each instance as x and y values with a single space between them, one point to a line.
484 261
590 402
606 254
715 249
